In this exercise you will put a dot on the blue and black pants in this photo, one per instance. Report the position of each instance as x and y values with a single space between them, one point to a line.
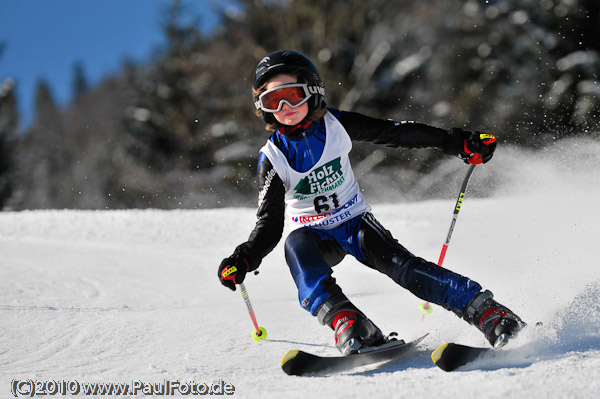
311 253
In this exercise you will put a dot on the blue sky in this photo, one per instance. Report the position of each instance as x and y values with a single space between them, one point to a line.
45 38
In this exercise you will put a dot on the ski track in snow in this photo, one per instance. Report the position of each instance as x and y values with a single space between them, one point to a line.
116 296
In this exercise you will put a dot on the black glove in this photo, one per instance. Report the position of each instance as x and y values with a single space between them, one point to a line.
477 147
233 269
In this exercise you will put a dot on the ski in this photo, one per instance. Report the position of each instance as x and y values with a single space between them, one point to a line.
451 356
298 362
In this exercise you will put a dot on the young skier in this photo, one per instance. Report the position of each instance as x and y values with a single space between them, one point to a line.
305 167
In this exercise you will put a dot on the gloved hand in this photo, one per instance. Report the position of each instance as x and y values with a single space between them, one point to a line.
478 147
232 270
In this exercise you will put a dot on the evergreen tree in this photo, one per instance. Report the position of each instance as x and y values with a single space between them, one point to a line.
164 107
45 162
9 120
80 83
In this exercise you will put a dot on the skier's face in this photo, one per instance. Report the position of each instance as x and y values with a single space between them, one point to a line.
288 115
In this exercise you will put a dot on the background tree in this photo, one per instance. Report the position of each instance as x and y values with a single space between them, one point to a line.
45 157
9 120
80 83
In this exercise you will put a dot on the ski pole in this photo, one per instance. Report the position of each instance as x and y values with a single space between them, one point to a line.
425 307
259 333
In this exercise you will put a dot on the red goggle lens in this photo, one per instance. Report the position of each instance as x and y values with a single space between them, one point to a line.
294 96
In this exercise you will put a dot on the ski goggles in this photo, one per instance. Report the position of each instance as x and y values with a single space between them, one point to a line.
293 94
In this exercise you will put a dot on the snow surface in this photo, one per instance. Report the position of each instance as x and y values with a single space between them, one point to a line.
116 296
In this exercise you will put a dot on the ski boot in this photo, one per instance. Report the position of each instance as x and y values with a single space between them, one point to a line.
353 330
497 322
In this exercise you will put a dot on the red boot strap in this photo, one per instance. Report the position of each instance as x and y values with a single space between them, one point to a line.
486 315
348 317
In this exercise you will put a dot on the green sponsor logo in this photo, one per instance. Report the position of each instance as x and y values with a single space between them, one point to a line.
320 180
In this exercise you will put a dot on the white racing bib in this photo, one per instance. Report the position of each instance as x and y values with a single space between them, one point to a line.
326 195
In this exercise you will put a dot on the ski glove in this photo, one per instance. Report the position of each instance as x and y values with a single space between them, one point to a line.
233 269
477 147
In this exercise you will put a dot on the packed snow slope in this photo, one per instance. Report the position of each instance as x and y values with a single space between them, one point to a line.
121 296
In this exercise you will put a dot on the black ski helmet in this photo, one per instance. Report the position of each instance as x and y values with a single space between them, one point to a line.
289 61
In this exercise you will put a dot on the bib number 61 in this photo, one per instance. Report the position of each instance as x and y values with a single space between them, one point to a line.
323 203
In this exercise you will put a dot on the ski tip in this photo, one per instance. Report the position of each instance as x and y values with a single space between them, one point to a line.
297 362
451 356
437 354
289 356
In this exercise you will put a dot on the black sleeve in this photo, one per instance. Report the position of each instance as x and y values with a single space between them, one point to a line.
400 134
271 209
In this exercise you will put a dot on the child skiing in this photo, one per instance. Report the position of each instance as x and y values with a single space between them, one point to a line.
304 170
